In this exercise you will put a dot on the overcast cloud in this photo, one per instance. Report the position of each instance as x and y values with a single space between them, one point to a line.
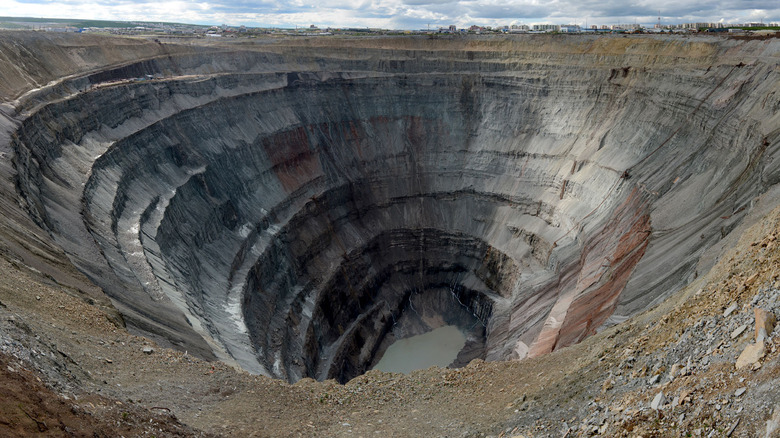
399 14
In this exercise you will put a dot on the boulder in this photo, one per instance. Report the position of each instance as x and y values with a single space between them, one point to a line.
607 385
773 424
751 355
739 330
659 401
765 323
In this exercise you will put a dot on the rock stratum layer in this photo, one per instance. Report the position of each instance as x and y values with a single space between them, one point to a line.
281 206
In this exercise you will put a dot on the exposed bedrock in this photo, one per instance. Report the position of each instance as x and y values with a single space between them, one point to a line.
287 206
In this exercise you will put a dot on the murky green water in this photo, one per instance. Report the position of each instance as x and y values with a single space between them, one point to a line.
437 347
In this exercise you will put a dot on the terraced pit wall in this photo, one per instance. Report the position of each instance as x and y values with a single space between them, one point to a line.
283 205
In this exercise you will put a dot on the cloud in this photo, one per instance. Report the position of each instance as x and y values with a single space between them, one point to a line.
429 2
408 14
509 10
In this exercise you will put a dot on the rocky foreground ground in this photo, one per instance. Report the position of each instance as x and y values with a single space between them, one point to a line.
68 369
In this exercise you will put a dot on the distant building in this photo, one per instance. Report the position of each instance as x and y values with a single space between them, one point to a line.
547 27
697 26
519 28
570 28
629 27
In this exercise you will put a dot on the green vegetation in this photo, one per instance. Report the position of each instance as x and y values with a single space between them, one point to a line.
775 28
30 23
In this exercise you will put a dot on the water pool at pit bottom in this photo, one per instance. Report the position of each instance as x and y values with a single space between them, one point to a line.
438 347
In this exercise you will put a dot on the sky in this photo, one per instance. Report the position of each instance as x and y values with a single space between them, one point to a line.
400 14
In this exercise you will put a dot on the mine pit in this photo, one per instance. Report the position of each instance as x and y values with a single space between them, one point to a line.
294 210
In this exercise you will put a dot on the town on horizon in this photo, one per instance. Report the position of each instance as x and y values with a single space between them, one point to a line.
140 28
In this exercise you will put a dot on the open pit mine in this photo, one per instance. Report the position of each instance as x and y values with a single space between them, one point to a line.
292 207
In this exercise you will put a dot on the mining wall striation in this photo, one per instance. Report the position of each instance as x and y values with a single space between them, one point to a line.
282 205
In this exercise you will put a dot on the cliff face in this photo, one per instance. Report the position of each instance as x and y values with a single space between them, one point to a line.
282 205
